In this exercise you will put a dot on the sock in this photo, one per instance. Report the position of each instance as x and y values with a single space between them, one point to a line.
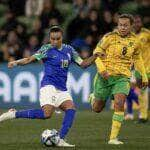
129 105
117 119
67 122
143 101
31 113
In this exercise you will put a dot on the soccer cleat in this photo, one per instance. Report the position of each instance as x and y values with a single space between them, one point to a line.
62 143
8 115
129 117
142 121
115 142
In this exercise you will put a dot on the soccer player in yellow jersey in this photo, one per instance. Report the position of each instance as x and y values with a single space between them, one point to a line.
120 48
143 35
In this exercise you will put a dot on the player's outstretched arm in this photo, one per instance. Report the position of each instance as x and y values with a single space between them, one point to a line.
87 62
21 62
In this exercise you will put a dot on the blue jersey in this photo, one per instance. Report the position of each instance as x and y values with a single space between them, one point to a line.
56 63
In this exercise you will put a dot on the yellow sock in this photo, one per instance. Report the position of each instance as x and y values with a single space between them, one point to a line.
117 119
143 102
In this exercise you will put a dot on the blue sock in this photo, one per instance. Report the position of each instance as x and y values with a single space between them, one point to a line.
31 113
129 105
67 122
131 97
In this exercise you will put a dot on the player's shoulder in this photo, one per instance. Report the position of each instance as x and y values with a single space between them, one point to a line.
111 34
67 46
45 47
133 35
145 30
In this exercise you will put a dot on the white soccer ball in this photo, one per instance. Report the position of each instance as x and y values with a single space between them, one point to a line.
50 137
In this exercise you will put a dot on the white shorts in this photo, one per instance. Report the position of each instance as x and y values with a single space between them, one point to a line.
52 96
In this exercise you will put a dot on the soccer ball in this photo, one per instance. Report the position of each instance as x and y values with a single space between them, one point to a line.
50 137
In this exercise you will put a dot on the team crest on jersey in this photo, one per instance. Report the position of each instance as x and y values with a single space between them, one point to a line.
130 44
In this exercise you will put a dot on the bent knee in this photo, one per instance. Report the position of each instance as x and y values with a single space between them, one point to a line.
47 114
97 109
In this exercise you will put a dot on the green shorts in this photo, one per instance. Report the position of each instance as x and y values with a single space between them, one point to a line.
104 89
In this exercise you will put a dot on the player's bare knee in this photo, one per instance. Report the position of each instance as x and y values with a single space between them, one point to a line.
47 114
97 109
48 111
119 102
119 105
98 106
67 105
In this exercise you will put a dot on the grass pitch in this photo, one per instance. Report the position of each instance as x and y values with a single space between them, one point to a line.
89 132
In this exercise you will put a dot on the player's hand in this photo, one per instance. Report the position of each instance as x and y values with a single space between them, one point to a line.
12 64
100 54
105 75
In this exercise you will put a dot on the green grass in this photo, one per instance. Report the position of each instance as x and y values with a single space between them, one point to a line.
90 132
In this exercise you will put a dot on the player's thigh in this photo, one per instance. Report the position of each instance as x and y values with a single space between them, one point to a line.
65 101
67 104
48 95
101 89
120 90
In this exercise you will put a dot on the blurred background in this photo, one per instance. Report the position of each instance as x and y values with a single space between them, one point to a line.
24 26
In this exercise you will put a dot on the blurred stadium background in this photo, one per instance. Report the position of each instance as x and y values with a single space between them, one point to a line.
24 26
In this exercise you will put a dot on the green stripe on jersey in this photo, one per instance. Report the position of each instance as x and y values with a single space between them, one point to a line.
41 53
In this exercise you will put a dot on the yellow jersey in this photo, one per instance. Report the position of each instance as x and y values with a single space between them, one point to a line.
120 52
144 38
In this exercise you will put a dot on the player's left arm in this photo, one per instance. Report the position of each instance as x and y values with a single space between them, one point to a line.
86 62
139 65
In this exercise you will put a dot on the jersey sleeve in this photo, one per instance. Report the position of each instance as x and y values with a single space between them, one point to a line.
41 53
76 58
102 44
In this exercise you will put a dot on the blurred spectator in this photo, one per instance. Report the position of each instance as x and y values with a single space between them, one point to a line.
112 5
33 7
21 32
79 5
107 22
53 21
37 30
85 52
12 47
11 21
49 11
17 6
95 25
32 46
78 26
94 4
144 11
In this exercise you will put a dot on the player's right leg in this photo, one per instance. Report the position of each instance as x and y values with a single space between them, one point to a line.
100 94
47 101
120 90
43 113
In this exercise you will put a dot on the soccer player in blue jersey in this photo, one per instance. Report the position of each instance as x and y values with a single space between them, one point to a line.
56 58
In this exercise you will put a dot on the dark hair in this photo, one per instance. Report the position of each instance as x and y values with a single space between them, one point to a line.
138 16
128 16
56 28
